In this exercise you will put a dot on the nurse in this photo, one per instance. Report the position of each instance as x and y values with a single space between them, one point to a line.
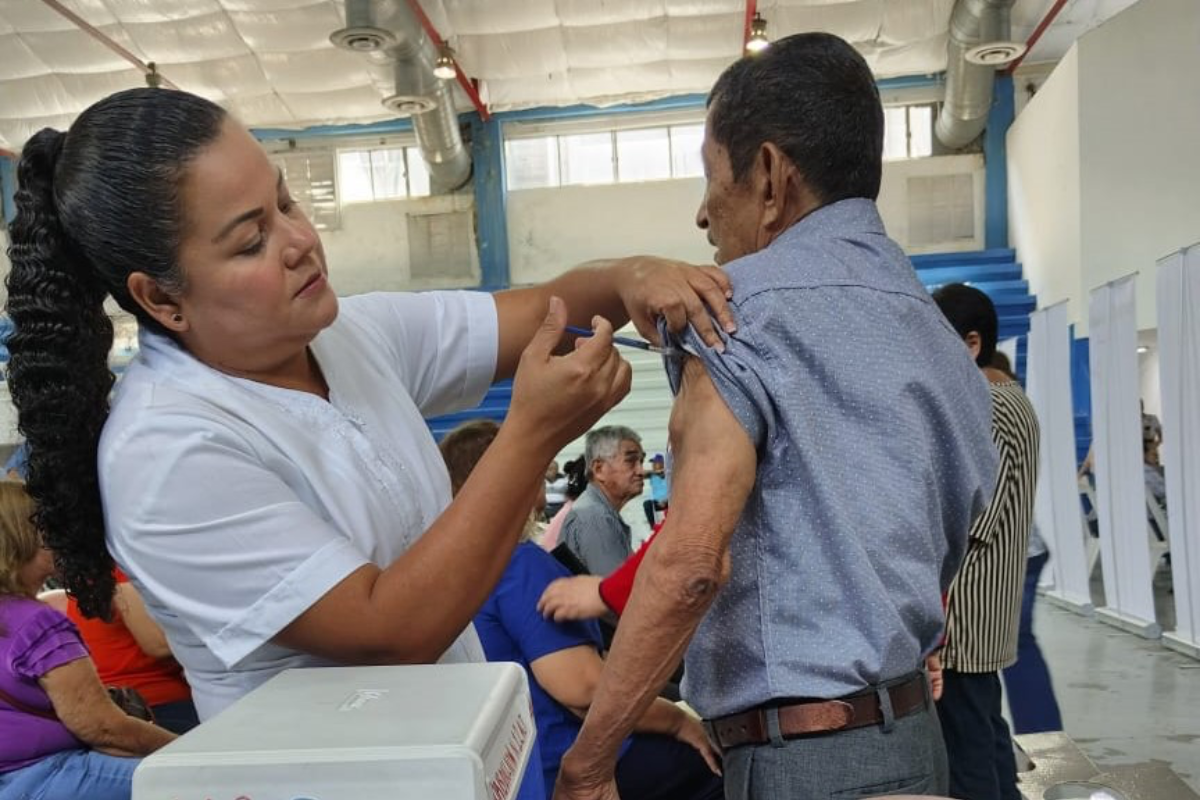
265 476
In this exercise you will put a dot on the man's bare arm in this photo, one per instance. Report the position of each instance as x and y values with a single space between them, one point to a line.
715 465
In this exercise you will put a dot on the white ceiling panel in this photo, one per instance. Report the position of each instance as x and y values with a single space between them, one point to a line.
139 11
17 60
704 8
23 15
200 38
326 70
488 17
514 55
293 30
72 51
318 108
222 78
638 42
857 21
19 130
587 13
906 22
271 63
703 36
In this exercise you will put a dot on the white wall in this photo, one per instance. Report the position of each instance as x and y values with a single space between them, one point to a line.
894 205
1043 189
550 230
1111 139
369 252
1139 111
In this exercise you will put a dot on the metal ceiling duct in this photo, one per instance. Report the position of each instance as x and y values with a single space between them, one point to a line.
969 85
410 54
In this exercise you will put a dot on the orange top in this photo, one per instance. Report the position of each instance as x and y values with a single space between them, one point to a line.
121 662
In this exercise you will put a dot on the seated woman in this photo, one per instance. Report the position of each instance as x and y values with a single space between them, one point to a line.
131 650
61 736
669 757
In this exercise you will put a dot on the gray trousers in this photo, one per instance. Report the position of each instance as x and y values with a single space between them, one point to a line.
906 756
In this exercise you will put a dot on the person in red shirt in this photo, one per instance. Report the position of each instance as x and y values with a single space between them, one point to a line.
593 596
132 651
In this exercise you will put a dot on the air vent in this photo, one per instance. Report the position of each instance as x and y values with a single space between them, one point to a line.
941 210
439 246
362 34
405 105
362 40
995 54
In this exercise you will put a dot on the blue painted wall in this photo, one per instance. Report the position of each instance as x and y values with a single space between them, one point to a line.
8 188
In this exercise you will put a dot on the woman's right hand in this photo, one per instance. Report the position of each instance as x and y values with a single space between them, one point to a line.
691 732
559 398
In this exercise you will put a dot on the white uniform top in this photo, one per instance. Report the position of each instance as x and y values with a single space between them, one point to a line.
233 506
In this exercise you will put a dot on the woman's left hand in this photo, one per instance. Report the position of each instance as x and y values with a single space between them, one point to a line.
681 293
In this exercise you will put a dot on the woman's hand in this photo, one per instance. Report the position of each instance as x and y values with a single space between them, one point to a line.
559 398
678 292
577 597
937 679
691 732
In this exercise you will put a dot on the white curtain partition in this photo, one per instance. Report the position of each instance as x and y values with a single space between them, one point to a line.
1057 510
1117 438
1179 365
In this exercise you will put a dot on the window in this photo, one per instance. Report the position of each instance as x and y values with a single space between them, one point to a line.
907 131
532 162
685 151
381 173
309 177
586 158
643 155
574 155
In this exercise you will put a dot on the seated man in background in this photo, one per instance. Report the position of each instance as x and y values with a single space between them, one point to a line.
828 463
594 530
669 758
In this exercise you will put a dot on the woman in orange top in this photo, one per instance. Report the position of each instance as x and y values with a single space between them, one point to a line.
132 651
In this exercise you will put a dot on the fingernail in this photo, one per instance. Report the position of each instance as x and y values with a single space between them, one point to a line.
555 303
731 327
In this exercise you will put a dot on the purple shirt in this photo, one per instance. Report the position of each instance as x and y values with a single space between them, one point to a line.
34 639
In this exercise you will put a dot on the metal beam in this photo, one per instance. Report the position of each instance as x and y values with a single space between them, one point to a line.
467 84
103 39
487 158
1037 33
995 155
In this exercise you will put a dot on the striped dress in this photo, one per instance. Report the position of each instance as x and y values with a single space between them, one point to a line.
984 604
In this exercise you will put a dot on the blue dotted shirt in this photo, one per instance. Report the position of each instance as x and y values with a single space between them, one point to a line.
872 430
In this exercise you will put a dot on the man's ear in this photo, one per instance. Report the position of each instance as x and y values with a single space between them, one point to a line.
974 344
782 192
163 307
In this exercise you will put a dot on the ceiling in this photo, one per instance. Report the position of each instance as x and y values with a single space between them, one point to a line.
270 62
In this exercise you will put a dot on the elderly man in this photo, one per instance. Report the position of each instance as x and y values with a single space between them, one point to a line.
594 530
829 462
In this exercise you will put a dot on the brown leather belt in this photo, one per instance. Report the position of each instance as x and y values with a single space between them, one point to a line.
808 717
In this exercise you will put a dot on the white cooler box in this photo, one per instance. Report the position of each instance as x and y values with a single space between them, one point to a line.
443 732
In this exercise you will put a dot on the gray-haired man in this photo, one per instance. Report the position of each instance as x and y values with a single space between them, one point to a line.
594 530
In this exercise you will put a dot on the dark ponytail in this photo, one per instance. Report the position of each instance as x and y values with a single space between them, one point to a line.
94 205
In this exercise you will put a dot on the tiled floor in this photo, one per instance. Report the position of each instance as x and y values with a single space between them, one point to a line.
1124 699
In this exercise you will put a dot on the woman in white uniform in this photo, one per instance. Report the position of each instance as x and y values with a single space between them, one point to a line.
265 477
